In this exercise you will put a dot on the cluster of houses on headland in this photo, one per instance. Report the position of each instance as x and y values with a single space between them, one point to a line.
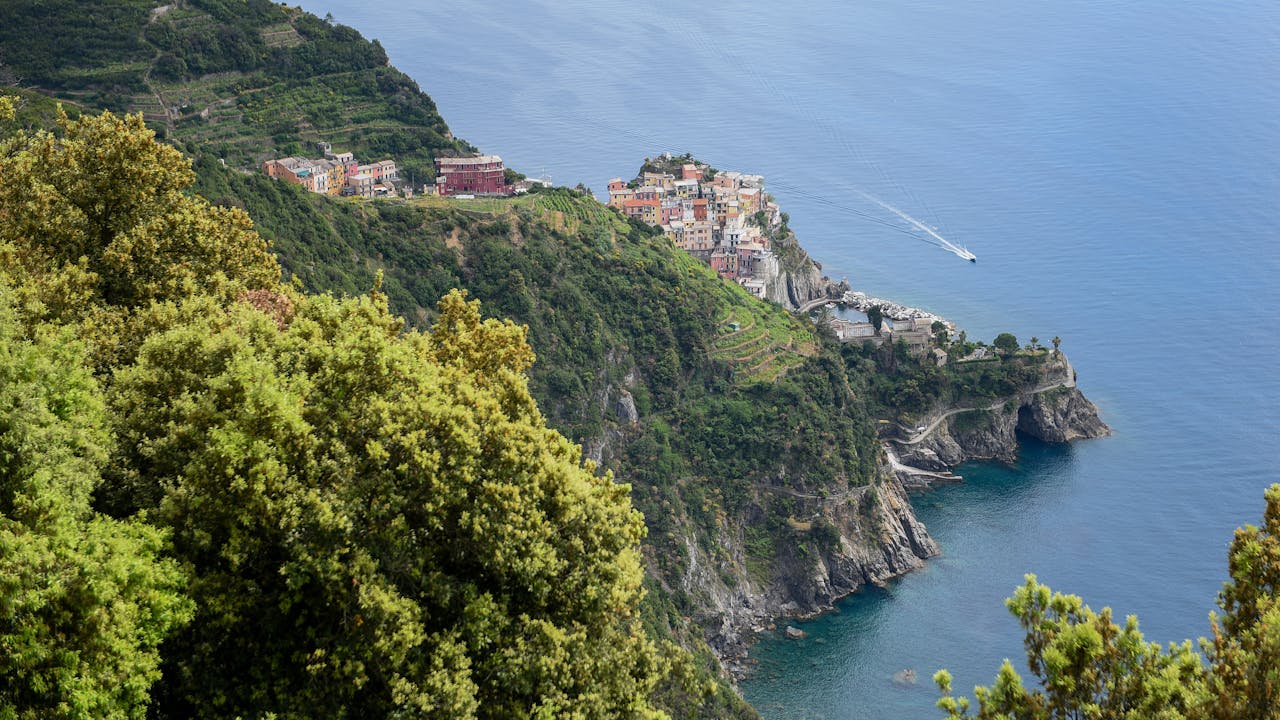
722 218
336 174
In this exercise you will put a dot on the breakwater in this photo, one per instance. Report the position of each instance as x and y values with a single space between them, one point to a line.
862 302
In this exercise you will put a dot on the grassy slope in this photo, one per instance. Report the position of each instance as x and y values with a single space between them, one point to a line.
602 298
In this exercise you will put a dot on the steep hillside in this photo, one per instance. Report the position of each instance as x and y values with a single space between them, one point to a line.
747 435
241 81
743 431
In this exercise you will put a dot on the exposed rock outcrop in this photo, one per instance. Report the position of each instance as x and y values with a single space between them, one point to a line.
1061 415
1056 412
838 544
626 408
796 278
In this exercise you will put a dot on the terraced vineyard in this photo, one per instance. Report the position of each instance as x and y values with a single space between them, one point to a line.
242 81
761 346
584 211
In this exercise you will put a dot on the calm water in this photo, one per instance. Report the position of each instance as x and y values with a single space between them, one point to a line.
1114 167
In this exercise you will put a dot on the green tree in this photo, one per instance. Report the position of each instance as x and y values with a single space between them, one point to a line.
97 225
8 109
875 316
1089 667
379 522
824 321
1006 343
85 600
940 334
1244 652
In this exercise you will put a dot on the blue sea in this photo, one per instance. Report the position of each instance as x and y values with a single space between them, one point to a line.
1115 166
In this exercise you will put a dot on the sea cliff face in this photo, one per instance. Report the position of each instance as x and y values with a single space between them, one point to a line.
1061 415
797 279
841 543
1056 412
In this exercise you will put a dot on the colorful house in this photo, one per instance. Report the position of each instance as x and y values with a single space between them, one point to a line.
480 175
648 211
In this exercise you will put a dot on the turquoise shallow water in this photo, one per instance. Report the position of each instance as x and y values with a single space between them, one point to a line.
1113 165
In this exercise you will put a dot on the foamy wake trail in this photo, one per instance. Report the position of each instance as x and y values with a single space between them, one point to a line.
913 222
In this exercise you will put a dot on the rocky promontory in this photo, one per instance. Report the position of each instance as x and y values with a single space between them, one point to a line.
863 536
796 280
1055 411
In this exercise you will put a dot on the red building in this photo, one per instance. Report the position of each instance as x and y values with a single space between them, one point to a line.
700 209
482 175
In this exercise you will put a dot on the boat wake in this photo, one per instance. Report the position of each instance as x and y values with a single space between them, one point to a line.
914 226
937 238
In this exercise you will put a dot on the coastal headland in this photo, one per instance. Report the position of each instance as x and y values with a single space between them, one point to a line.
749 437
937 400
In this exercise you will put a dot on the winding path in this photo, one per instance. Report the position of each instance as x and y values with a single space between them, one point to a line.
898 467
1069 381
813 304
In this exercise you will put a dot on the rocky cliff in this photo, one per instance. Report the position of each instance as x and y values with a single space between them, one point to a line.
1055 412
1060 415
836 545
797 279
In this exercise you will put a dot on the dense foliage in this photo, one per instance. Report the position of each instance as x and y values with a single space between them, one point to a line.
363 521
85 599
902 384
1090 667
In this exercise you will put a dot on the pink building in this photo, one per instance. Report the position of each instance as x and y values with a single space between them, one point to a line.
725 264
671 211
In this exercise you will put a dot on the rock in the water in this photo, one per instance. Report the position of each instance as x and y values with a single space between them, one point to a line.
796 633
905 677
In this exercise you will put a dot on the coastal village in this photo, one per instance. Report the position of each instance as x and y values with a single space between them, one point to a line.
727 220
721 218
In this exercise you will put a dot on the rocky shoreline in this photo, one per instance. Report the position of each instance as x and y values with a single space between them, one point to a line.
884 540
880 539
862 302
1055 412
